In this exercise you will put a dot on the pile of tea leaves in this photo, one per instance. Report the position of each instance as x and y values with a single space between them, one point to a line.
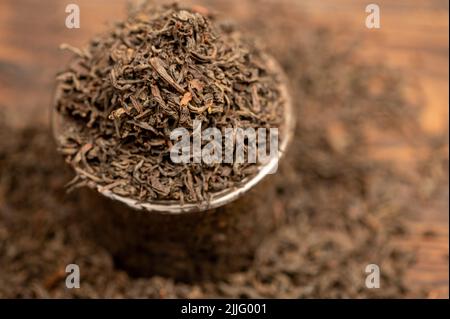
160 70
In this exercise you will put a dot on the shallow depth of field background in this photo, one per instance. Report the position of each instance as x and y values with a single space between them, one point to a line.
413 37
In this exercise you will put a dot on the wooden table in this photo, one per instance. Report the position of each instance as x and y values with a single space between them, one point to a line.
413 35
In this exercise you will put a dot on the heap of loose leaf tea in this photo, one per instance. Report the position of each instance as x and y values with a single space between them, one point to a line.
160 70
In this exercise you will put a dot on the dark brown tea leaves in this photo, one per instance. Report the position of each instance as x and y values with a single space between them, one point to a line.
160 70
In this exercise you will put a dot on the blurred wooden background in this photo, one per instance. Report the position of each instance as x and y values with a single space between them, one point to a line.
414 36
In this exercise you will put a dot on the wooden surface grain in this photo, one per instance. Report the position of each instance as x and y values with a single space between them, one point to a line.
413 36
